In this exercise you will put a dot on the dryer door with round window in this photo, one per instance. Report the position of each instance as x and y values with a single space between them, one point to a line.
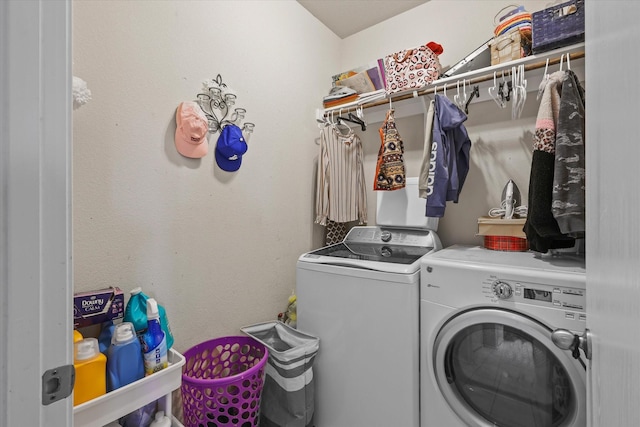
500 368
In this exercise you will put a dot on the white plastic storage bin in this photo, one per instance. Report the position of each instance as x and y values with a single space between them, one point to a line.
118 403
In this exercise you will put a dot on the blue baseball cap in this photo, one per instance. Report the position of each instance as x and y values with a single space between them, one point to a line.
230 148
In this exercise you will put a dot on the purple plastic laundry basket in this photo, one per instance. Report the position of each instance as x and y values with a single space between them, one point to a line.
222 382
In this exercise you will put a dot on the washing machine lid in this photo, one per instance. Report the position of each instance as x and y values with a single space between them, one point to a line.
378 248
403 208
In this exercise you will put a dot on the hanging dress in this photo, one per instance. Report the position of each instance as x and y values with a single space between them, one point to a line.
341 195
390 172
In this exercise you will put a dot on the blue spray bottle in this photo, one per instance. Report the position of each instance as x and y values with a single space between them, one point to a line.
136 313
154 343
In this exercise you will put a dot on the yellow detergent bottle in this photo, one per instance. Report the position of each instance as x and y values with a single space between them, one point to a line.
91 371
77 336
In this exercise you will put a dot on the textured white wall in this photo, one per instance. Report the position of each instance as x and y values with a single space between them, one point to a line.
501 147
218 249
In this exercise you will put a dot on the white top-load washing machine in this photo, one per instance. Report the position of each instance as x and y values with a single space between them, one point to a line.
486 352
361 298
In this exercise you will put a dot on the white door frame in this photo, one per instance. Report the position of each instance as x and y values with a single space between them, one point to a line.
613 203
36 292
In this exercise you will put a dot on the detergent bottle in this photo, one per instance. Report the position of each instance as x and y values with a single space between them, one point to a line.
77 336
154 343
90 366
106 333
124 357
136 313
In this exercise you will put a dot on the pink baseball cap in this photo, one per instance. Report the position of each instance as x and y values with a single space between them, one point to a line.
191 130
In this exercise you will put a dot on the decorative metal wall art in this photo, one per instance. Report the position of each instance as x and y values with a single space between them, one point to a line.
217 101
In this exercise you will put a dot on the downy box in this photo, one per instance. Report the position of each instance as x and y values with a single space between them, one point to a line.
97 307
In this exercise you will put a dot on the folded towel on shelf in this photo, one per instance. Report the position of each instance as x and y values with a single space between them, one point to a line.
339 95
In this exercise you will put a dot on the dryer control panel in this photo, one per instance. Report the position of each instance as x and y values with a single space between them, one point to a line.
560 297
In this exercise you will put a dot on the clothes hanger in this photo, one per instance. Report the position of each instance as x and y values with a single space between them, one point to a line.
323 123
501 86
456 97
353 119
494 92
335 122
519 91
461 98
514 76
523 90
474 93
507 83
543 83
341 127
464 91
358 120
321 119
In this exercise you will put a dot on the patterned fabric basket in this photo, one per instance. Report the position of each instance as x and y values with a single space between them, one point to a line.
558 26
412 69
222 382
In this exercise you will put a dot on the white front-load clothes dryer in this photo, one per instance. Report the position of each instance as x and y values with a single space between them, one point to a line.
486 352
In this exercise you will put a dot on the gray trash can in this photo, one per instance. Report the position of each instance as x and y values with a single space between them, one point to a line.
288 391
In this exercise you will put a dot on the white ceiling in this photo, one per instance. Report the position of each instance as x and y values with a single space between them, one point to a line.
347 17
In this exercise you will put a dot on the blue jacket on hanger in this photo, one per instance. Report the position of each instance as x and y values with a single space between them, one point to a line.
449 161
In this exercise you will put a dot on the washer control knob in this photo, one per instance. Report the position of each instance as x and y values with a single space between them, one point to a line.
385 236
502 290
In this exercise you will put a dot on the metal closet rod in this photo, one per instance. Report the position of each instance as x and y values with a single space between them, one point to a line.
475 80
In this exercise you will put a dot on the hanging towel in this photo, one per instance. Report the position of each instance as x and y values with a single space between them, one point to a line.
568 195
426 178
340 188
449 156
541 228
390 173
